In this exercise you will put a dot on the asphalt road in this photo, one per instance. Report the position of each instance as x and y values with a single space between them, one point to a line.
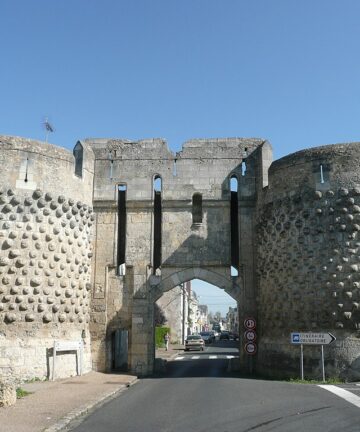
198 394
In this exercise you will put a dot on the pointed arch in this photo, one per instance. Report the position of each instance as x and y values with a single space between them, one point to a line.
78 153
228 285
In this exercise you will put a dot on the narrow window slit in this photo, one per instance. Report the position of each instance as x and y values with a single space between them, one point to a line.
110 156
243 168
322 181
78 153
26 170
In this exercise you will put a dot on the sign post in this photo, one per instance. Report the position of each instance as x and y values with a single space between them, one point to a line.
312 339
250 346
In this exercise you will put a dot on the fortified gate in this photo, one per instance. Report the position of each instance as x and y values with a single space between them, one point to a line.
90 240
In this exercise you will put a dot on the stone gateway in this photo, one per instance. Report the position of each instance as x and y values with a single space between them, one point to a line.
91 239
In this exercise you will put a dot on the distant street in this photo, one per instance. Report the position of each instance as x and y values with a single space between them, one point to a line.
198 394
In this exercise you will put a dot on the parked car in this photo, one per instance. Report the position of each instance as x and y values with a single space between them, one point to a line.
216 334
213 335
207 337
225 335
195 342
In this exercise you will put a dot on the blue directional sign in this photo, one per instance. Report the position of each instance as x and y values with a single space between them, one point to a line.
312 338
295 338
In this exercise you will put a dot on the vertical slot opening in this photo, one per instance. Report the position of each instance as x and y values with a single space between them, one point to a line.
26 170
243 168
78 153
121 253
157 186
197 211
234 225
110 156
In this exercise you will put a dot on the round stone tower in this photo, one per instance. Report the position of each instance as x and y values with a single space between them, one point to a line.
308 224
45 255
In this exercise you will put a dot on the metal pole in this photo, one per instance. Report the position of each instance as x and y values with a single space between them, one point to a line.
302 361
322 362
183 313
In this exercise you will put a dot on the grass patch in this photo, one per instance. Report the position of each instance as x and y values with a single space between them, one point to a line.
36 379
333 381
255 376
21 393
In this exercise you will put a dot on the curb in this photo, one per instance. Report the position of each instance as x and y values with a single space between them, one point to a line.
85 409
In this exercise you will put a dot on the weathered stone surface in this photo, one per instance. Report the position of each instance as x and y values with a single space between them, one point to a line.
298 244
7 394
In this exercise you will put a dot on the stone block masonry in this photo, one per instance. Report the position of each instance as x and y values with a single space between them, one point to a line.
63 228
45 260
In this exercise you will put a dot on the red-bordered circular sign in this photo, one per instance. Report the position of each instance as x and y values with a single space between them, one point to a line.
250 348
250 335
250 323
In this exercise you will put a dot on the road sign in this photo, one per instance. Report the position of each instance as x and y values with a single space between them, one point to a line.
312 338
250 335
250 348
250 323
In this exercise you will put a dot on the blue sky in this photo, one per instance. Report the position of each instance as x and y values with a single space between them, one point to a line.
284 70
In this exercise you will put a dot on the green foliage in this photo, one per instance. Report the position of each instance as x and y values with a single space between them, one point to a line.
20 393
36 379
159 316
312 381
159 335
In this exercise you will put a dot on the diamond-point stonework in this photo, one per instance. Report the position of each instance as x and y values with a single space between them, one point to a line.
66 275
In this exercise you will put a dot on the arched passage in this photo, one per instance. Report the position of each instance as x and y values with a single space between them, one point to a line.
230 286
181 318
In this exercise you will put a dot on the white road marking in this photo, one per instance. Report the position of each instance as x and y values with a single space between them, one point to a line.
179 358
351 389
213 357
348 396
195 357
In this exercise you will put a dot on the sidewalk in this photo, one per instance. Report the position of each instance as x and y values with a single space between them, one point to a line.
53 404
173 351
162 357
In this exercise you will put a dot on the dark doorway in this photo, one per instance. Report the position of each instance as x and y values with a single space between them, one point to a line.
120 345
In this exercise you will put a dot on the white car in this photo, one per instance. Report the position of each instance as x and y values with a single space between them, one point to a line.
195 342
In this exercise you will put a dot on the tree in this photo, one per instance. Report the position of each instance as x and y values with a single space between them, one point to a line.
159 316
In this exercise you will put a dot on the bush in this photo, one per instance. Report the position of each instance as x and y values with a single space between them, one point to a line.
159 336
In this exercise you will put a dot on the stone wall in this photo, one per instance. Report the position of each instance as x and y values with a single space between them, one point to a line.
202 166
298 224
175 311
308 259
46 234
